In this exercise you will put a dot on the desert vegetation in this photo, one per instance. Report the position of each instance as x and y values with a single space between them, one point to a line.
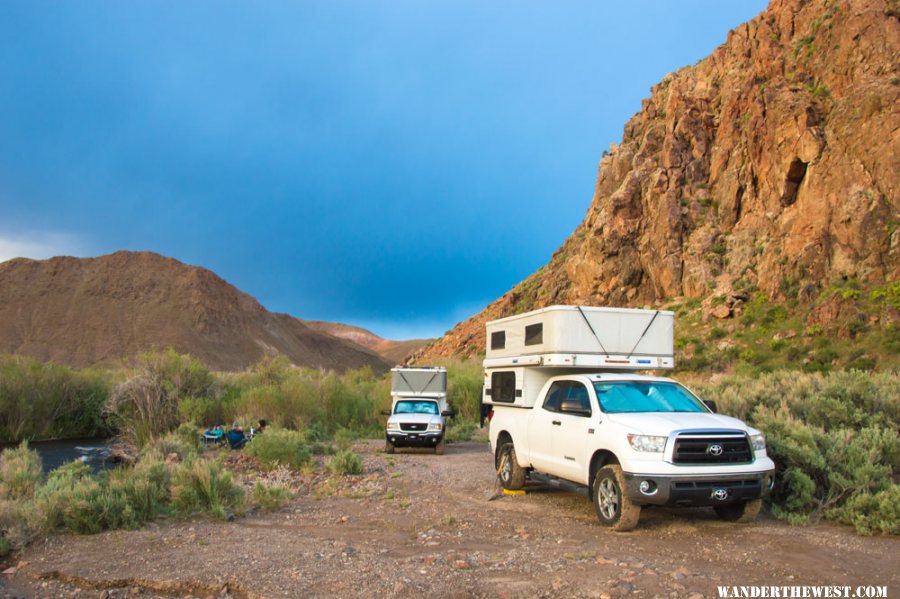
41 400
833 435
834 438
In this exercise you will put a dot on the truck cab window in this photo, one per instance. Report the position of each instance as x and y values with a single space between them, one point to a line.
578 398
555 395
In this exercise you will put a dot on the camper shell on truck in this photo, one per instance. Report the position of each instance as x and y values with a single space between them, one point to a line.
569 409
419 409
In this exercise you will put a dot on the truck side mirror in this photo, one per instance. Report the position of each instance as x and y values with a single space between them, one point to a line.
573 406
711 405
385 412
448 413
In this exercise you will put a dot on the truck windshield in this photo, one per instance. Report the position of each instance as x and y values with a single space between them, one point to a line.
646 396
415 407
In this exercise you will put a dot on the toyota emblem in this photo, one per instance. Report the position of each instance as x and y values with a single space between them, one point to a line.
720 494
715 449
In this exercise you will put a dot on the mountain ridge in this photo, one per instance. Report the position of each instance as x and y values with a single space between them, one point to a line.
101 310
394 351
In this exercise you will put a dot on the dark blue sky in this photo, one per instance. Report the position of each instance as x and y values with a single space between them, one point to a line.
392 164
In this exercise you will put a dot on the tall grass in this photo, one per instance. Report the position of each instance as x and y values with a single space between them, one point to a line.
44 400
72 499
834 438
280 447
464 382
146 405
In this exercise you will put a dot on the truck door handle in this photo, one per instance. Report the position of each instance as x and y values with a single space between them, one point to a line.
556 423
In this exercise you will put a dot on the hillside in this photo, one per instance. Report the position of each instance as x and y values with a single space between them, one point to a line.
756 192
99 311
394 352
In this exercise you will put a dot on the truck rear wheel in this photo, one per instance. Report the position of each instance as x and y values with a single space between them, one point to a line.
512 476
388 446
439 448
613 508
743 511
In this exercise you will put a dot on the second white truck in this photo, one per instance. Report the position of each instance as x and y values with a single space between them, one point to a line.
419 409
568 410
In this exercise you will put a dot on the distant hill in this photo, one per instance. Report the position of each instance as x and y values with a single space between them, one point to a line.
757 192
395 352
100 311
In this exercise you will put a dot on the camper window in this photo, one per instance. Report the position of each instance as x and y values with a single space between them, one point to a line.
534 334
498 340
503 386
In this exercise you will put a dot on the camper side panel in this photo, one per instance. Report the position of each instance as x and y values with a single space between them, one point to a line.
417 381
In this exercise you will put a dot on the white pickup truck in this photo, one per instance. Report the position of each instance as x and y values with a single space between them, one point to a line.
571 415
419 409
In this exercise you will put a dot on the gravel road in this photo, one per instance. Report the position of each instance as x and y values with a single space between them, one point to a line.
415 524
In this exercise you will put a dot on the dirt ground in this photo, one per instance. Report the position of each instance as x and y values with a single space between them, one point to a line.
415 524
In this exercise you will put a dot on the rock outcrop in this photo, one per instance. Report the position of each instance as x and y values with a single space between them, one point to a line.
104 311
770 165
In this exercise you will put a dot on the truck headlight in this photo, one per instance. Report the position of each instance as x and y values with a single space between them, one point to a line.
647 443
435 427
758 442
393 426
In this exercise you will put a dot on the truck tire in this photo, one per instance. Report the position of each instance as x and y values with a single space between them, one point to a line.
742 511
439 448
613 507
388 446
512 476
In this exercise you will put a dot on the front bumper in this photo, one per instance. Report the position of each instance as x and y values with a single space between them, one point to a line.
698 490
417 439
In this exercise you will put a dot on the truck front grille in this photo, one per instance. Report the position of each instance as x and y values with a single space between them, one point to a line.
712 448
413 426
750 484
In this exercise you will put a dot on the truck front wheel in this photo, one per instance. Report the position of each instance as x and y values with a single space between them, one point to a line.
613 508
512 476
744 511
388 446
439 448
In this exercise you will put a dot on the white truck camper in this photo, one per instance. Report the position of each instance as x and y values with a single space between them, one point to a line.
419 409
568 410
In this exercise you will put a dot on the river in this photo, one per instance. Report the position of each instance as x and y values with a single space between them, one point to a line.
56 453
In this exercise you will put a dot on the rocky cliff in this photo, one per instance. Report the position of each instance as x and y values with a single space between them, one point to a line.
103 311
769 167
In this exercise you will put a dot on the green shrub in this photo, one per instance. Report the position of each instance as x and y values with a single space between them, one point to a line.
176 443
311 400
207 411
270 497
464 383
204 486
345 462
460 431
20 472
146 405
42 400
280 446
344 438
834 439
872 514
